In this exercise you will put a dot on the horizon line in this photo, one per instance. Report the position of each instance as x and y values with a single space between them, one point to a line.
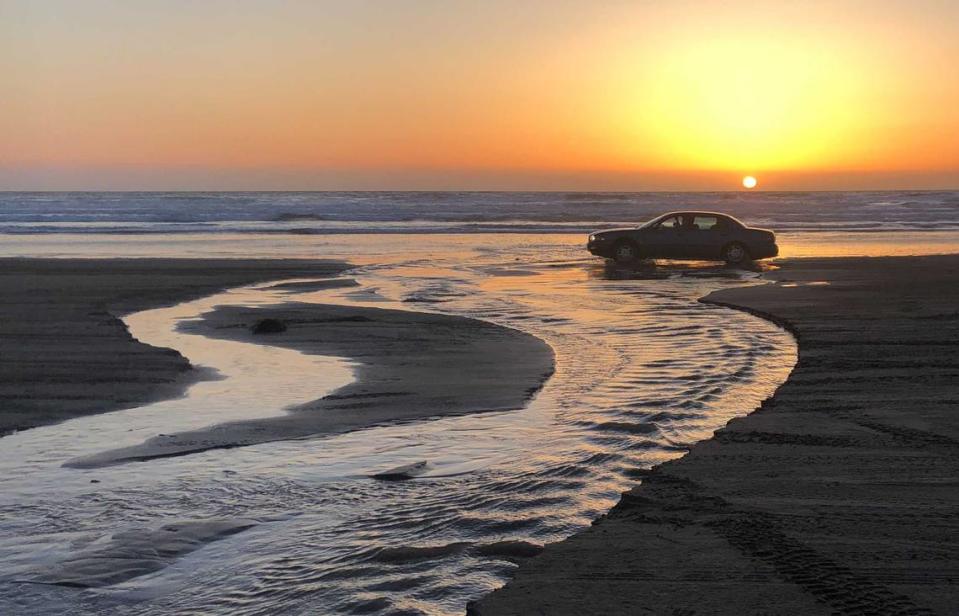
468 190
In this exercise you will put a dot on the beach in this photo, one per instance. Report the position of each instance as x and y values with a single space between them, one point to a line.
410 366
837 496
64 315
266 468
65 352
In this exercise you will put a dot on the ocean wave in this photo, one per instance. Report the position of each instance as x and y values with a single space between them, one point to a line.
459 212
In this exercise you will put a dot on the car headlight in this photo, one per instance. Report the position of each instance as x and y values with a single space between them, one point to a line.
592 238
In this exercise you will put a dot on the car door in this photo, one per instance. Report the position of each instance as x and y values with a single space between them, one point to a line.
662 239
707 236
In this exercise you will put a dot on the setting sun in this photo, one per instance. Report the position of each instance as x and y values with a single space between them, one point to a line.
749 182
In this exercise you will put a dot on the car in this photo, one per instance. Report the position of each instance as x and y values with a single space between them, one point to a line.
709 236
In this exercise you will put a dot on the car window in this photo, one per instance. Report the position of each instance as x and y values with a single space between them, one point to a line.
673 222
706 223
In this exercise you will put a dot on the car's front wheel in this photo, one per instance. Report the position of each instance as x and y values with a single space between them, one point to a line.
735 253
625 252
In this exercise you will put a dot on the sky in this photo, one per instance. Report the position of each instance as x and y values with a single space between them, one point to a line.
481 95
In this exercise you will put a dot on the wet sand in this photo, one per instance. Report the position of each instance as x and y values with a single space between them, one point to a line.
410 366
838 496
65 353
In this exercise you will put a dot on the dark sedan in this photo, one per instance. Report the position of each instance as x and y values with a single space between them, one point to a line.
686 235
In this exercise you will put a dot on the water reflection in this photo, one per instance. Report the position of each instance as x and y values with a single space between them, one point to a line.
662 269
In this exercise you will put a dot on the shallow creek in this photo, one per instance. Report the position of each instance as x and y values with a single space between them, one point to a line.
643 371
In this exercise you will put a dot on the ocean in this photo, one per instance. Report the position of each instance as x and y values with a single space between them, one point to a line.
459 212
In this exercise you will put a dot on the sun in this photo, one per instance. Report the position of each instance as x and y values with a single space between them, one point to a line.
749 182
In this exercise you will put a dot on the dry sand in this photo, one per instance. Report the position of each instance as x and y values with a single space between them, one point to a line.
65 353
839 496
410 366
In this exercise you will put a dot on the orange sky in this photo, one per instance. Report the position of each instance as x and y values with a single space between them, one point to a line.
478 95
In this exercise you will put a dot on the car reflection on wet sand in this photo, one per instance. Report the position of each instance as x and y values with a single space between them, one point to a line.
662 270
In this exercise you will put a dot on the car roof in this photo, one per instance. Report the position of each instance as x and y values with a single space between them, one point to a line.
700 213
695 213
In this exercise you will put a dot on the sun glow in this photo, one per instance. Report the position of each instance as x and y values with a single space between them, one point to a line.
749 182
755 101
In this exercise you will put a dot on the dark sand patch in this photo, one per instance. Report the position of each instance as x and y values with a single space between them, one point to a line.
510 549
406 554
404 472
411 366
838 496
65 353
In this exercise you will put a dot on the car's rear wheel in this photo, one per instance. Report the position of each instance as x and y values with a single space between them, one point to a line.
625 251
735 253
